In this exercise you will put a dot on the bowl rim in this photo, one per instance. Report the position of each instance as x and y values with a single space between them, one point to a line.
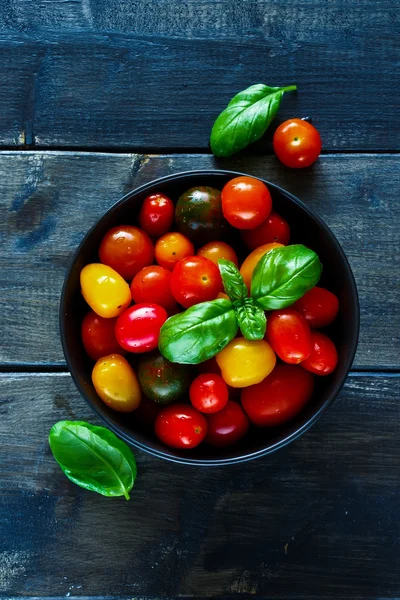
289 437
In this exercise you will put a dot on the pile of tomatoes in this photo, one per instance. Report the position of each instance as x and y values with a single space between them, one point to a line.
168 263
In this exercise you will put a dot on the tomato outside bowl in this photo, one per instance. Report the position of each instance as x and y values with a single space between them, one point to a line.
307 228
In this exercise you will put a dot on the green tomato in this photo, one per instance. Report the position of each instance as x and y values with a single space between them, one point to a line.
163 381
198 215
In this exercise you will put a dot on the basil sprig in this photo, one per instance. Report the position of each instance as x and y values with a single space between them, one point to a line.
198 333
246 118
282 276
93 457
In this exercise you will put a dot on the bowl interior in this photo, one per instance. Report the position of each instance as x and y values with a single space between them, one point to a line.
306 228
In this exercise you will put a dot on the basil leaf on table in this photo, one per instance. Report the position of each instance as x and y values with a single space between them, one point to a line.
93 457
251 318
233 282
246 118
199 333
283 275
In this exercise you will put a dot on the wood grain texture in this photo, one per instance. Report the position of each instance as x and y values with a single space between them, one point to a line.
52 199
128 74
318 519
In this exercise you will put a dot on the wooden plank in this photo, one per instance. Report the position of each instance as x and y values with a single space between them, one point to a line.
318 519
156 74
52 199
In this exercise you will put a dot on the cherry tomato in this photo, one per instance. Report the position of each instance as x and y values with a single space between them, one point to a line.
180 426
245 362
98 336
171 248
126 249
223 295
195 279
273 229
106 292
278 398
216 250
323 358
209 393
157 214
297 143
227 426
138 328
116 383
249 264
246 202
153 284
318 306
289 335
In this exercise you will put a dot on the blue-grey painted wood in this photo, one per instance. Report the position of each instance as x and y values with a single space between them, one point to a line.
51 199
154 75
318 519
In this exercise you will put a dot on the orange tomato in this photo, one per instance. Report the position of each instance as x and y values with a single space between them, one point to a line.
216 250
171 248
250 262
116 383
223 295
106 292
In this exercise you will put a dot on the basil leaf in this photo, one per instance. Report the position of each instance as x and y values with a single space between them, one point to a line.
283 275
199 333
246 118
93 457
233 282
251 318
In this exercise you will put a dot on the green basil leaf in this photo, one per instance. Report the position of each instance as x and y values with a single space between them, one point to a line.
251 318
233 282
283 275
246 118
198 333
93 457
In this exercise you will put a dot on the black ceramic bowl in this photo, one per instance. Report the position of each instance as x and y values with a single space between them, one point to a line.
306 228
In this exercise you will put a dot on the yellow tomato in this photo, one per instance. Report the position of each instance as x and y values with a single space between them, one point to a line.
216 250
250 262
106 292
116 383
246 362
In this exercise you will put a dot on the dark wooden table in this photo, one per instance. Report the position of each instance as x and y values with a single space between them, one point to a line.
99 97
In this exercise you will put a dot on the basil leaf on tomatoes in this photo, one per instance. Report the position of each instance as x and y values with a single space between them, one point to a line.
93 457
283 275
246 118
251 319
199 333
232 280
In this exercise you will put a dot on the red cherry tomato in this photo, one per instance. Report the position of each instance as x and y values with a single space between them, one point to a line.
98 336
195 279
180 426
209 366
246 202
273 229
126 249
227 426
209 393
297 143
318 306
323 358
138 328
279 397
289 335
153 284
157 214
